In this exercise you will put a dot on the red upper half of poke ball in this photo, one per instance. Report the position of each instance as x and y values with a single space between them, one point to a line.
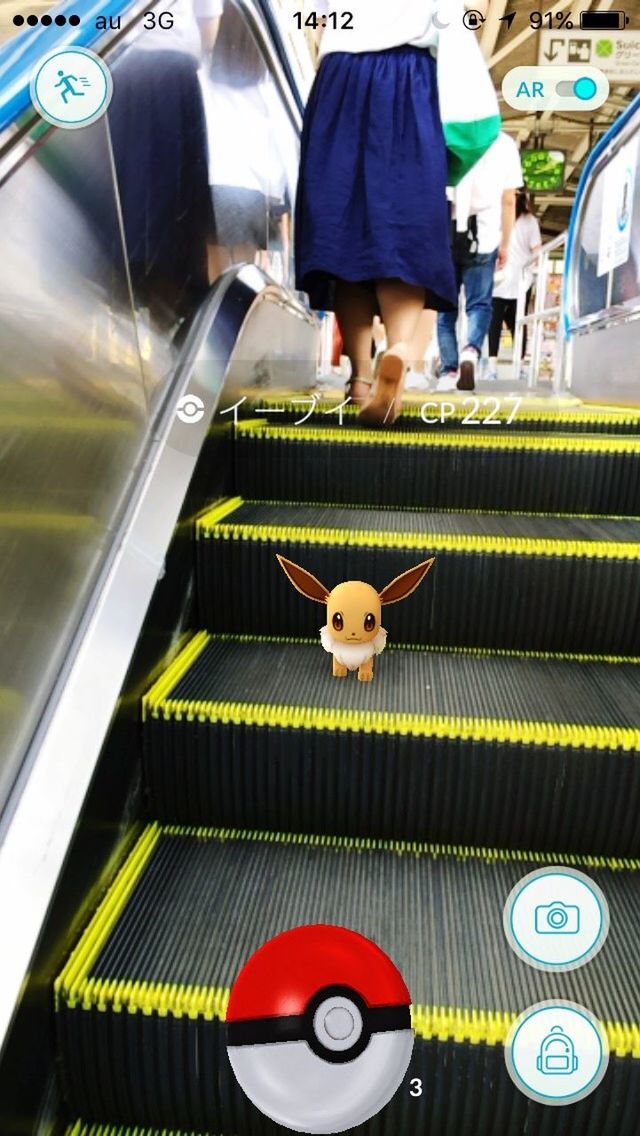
282 976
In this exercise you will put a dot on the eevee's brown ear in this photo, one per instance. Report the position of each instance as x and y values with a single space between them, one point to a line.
405 584
303 581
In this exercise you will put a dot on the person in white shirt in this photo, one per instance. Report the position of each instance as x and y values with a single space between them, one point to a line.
486 197
525 241
372 215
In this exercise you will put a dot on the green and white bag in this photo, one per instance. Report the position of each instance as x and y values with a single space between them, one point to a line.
468 101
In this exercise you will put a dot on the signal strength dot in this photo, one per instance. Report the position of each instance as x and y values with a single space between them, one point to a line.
45 20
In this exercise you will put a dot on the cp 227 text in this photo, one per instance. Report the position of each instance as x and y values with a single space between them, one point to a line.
490 408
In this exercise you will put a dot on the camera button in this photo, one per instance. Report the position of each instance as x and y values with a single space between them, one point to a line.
556 919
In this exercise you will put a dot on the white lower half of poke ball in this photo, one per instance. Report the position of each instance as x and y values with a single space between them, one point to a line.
318 1029
288 1083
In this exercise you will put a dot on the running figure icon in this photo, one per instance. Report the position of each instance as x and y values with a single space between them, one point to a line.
66 82
71 87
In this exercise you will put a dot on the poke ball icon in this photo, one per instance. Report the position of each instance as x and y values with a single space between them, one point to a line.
319 1029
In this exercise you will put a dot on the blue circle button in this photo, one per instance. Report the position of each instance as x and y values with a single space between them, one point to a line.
557 1053
71 87
585 88
556 919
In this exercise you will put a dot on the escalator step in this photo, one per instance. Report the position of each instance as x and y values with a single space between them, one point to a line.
80 1128
435 411
526 473
141 1002
503 582
446 746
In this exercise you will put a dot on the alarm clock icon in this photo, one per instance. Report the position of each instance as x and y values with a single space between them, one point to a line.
319 1029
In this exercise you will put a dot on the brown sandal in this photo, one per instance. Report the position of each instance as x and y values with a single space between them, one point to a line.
385 404
348 389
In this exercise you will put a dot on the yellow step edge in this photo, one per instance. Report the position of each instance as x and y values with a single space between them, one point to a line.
211 529
220 509
84 1128
442 1023
183 661
71 983
499 730
564 410
605 444
414 848
76 989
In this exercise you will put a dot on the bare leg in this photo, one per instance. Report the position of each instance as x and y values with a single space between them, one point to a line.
244 253
421 340
355 309
219 258
401 307
379 333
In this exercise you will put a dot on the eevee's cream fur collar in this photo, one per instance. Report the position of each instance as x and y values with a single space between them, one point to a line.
353 655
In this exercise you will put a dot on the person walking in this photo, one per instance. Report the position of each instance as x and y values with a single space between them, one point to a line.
525 241
371 212
483 217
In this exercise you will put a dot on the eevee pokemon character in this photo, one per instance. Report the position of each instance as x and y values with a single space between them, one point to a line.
353 634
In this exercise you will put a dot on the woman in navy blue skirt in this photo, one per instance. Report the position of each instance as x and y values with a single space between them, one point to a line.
372 220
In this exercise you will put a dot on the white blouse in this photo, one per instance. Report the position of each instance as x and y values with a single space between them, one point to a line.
376 25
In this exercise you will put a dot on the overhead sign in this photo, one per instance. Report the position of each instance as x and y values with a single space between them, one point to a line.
617 54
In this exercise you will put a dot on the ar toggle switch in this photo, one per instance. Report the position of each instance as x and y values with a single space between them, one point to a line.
584 88
568 87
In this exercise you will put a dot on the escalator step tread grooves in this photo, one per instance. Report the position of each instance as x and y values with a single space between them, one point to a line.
80 1128
401 809
396 523
452 684
142 999
441 747
535 473
294 407
517 596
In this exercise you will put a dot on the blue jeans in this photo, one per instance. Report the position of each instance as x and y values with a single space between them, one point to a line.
478 289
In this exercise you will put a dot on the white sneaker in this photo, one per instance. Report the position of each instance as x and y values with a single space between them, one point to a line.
416 381
448 381
491 375
468 363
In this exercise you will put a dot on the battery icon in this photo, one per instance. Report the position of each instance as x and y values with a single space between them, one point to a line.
603 21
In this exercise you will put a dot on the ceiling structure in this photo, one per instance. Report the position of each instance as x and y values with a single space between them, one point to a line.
574 132
504 48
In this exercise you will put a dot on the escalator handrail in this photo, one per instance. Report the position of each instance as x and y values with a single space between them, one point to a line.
270 20
34 839
20 55
591 166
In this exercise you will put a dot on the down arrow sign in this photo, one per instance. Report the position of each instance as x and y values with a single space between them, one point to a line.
552 54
